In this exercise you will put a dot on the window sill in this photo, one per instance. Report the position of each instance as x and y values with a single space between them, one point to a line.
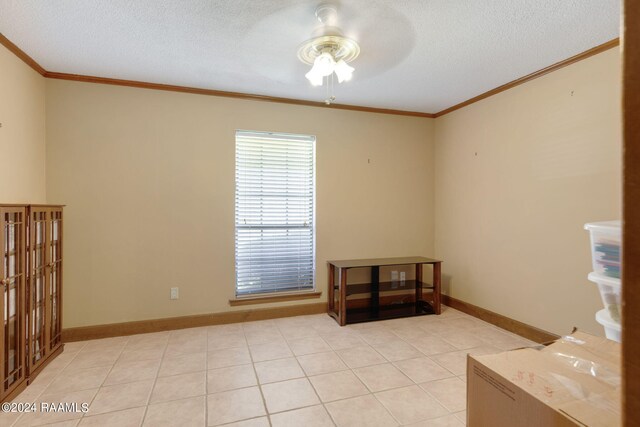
273 298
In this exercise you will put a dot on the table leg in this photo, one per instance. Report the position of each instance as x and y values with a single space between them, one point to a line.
375 291
418 282
343 296
436 287
331 285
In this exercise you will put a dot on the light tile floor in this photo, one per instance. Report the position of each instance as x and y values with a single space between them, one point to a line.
297 371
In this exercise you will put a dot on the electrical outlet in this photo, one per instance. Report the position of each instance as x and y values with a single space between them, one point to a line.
174 293
394 279
403 276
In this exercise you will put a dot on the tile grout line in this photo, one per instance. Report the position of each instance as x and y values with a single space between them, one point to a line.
414 383
35 399
255 372
206 382
312 388
375 364
105 378
155 380
437 354
321 403
439 402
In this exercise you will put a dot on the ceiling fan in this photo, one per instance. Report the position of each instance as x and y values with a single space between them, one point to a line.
329 52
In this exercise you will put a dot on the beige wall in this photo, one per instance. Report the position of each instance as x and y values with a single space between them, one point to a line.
22 135
148 179
517 176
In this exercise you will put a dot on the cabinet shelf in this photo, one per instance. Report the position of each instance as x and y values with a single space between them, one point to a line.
366 288
390 311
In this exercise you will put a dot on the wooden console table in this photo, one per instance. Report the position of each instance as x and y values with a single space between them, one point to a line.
391 305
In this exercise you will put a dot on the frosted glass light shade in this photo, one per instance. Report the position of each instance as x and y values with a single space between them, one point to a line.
314 78
344 71
325 65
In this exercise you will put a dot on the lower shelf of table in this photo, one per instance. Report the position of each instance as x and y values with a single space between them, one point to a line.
392 311
365 288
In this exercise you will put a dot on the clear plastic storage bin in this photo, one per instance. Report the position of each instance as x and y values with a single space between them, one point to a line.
610 291
612 330
605 247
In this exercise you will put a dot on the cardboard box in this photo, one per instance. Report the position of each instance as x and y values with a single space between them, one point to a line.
575 381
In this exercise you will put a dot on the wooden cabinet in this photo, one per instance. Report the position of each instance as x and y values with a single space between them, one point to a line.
12 334
44 313
31 272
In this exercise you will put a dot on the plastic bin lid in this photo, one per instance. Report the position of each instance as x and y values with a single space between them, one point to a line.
604 280
604 226
605 320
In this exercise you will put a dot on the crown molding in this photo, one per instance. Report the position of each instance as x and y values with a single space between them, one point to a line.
251 97
20 54
579 57
236 95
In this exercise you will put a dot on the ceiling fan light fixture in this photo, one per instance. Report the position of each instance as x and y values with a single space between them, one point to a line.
314 78
324 64
344 71
328 51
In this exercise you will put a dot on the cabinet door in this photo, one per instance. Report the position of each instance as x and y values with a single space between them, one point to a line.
37 304
12 272
54 255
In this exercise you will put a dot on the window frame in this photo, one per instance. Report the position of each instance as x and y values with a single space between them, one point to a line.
276 293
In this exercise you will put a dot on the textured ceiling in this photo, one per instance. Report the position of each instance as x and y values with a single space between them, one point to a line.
417 55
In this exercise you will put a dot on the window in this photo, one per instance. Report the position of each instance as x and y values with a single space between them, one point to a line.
275 212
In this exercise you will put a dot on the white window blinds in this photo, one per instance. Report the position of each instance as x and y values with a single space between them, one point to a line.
275 198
